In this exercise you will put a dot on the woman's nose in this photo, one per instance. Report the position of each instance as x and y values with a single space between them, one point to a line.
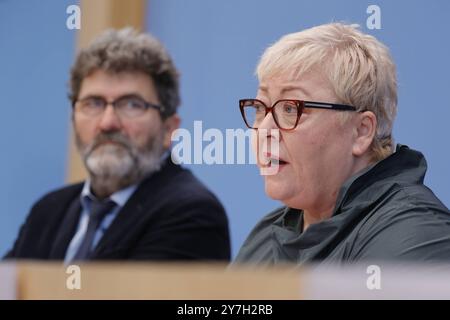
268 122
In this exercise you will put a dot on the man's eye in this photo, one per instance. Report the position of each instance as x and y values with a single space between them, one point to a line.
132 104
93 103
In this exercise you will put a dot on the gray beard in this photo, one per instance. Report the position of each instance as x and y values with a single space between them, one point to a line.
114 166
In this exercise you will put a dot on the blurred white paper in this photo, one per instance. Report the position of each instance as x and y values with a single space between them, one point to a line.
7 281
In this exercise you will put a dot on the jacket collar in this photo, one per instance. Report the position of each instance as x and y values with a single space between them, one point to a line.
404 166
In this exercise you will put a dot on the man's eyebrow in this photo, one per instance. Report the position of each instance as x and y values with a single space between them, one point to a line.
125 95
131 95
91 96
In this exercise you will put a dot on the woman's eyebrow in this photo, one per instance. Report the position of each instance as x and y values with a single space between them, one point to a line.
263 88
295 88
286 88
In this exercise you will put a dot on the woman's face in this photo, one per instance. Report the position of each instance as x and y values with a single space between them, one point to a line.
315 157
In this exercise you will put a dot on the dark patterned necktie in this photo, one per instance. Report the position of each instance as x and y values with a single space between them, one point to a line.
99 209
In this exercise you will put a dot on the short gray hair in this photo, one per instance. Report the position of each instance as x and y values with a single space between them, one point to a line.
127 50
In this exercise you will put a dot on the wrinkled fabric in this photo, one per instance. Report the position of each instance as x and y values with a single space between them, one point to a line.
383 213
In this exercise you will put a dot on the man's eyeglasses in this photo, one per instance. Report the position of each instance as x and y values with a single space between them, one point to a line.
286 113
129 106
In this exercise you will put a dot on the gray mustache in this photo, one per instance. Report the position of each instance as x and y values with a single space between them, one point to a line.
110 137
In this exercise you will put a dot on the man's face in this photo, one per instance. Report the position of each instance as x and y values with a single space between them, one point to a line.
316 157
115 148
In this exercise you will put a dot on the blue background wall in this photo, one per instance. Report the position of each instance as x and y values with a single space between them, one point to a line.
36 50
216 45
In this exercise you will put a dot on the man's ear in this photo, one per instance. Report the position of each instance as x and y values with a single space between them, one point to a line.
170 125
366 127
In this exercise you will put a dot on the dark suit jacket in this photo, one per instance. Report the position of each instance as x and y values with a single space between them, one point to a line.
170 216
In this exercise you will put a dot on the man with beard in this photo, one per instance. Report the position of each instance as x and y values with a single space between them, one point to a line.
136 203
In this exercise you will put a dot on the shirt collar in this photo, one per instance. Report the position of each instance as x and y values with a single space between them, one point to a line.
119 197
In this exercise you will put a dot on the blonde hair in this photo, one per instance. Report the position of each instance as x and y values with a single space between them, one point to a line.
359 68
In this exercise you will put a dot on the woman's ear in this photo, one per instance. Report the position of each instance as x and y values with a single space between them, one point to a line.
366 127
170 125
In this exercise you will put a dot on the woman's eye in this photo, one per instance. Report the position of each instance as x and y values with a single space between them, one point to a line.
260 108
289 109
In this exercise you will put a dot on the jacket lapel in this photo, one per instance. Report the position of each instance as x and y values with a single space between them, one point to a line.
138 207
67 226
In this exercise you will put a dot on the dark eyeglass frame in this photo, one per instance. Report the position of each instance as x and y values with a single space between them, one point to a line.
114 103
300 104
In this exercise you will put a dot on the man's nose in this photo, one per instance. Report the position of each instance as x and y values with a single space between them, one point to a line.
110 121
